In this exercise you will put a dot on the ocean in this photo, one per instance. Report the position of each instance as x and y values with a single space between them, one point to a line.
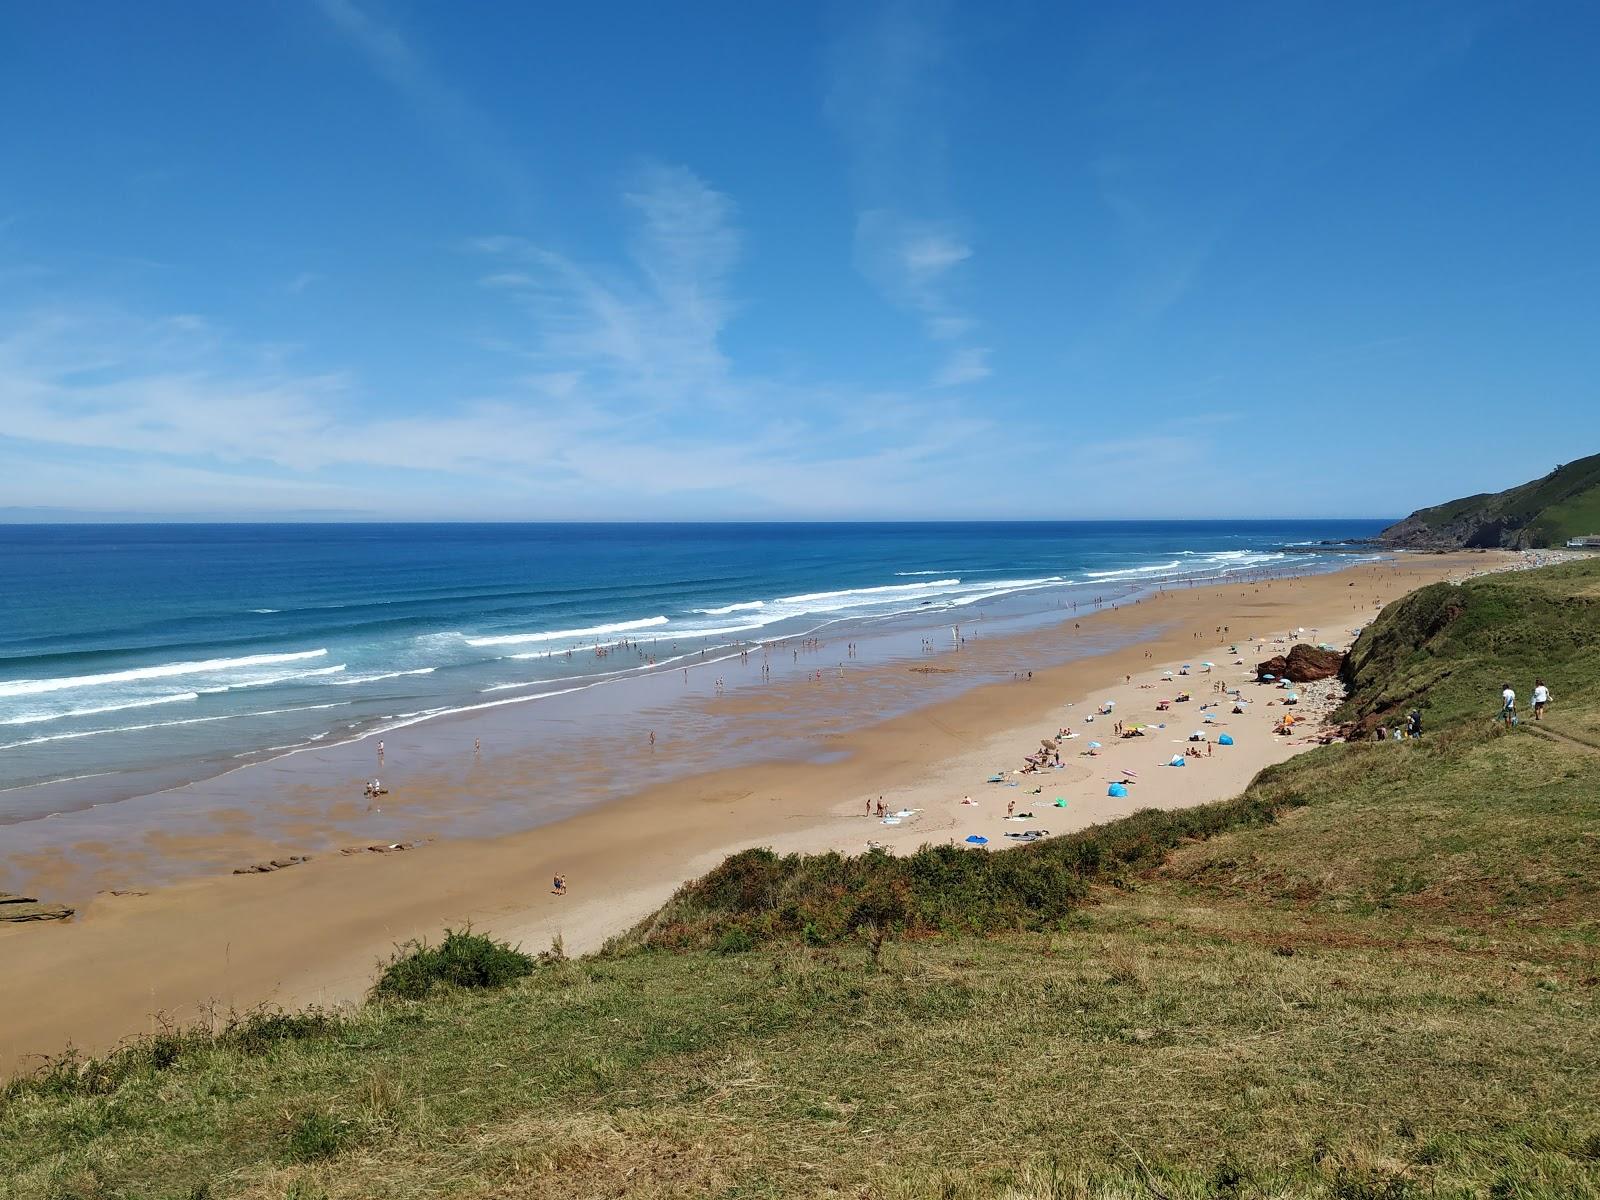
146 656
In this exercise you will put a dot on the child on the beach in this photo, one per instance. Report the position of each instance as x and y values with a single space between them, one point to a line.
559 887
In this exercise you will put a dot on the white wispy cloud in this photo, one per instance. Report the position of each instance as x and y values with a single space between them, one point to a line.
884 93
622 401
461 127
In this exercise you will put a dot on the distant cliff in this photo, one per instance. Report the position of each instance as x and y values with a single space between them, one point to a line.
1545 512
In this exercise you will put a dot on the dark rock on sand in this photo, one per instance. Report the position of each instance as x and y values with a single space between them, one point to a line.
1303 664
28 908
276 864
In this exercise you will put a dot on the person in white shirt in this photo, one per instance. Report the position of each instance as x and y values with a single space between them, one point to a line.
1541 697
1508 708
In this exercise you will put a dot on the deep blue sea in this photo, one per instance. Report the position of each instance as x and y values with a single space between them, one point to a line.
183 648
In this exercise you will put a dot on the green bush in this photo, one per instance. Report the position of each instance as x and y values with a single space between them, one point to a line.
463 960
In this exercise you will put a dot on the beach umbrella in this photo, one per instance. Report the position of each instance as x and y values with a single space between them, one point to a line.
1225 740
978 840
1116 789
1208 664
1199 735
1094 745
1061 801
1268 678
1178 761
1166 674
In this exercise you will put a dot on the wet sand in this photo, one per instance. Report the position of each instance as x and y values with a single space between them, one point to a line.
313 933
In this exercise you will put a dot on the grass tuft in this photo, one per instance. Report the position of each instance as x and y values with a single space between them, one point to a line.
463 960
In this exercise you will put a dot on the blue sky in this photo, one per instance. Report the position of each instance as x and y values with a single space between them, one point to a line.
377 258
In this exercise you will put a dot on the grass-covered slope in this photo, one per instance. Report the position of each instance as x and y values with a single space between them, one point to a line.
1374 975
1543 512
1448 648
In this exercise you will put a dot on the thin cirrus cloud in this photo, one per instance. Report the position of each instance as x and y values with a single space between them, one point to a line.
622 396
885 88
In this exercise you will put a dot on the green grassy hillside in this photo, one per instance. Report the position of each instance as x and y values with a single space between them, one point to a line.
1448 648
1543 512
1374 976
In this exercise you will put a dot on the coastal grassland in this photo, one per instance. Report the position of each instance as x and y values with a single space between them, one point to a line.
1448 648
1374 976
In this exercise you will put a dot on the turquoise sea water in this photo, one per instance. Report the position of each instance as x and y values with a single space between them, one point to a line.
165 652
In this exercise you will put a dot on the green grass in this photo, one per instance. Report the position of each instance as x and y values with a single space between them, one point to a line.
1376 974
1544 512
1448 648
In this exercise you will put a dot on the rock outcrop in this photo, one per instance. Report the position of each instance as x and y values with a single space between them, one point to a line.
1303 664
29 908
1542 512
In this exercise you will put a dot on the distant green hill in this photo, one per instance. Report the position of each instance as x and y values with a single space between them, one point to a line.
1546 512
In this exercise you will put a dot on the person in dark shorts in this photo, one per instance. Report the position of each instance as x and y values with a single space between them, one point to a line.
1541 697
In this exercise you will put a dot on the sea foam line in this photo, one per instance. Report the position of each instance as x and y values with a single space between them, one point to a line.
813 597
556 635
386 675
62 737
40 718
34 687
272 679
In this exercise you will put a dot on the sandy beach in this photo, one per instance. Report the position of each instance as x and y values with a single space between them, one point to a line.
312 933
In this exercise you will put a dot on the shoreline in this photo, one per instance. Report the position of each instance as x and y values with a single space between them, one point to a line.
312 934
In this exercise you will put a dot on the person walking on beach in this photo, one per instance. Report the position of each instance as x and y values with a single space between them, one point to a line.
1508 706
380 749
1541 697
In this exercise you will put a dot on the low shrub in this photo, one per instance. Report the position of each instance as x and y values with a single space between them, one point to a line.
463 960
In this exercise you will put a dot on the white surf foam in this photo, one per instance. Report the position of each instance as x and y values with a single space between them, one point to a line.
886 590
34 687
558 635
1153 569
269 680
38 718
355 679
62 737
746 606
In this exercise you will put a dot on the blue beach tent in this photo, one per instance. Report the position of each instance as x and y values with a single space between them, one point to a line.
1178 761
1225 739
978 840
1116 789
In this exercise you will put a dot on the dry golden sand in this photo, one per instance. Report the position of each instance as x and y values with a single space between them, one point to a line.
313 933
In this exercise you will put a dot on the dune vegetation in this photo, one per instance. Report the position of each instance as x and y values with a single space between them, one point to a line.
1373 976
